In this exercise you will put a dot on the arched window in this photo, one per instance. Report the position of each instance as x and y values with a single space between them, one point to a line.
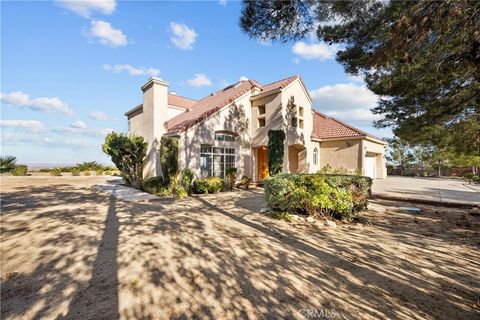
315 156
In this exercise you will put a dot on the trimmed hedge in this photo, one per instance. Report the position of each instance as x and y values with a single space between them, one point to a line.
359 186
208 185
340 196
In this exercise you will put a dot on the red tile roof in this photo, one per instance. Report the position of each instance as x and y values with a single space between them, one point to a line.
214 102
325 127
277 85
180 101
209 105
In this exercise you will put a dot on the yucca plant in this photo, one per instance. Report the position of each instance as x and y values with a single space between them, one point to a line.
7 163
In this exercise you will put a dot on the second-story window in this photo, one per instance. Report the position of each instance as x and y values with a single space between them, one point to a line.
224 137
294 122
261 122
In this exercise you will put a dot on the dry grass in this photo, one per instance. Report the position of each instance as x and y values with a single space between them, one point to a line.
79 254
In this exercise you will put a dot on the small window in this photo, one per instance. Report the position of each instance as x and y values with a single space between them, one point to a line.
261 123
300 123
261 110
315 156
300 111
224 137
294 122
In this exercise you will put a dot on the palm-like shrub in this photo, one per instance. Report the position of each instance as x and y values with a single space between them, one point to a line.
7 163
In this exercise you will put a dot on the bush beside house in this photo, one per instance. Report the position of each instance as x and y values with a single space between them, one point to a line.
340 196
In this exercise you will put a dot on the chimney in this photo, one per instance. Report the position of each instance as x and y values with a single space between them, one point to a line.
155 105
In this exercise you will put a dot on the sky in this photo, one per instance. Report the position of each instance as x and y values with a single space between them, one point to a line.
71 69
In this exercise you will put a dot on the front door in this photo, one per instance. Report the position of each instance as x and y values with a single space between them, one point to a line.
262 163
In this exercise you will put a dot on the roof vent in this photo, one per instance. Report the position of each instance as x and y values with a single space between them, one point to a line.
173 93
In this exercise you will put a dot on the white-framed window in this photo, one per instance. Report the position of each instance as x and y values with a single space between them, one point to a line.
225 137
315 156
214 161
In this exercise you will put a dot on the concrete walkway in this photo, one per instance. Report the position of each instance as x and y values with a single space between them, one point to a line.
124 193
440 190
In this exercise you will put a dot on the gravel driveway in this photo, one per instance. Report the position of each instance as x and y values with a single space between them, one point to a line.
69 252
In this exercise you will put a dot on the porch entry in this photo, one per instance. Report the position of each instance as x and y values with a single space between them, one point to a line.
297 158
262 163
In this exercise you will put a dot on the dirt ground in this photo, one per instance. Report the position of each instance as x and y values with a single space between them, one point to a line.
68 252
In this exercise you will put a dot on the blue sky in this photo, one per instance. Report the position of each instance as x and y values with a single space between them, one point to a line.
69 70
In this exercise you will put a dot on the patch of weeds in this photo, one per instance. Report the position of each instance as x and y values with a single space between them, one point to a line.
135 283
285 216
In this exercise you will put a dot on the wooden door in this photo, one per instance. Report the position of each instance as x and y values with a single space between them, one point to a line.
262 163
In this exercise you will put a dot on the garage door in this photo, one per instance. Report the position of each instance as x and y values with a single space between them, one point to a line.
370 167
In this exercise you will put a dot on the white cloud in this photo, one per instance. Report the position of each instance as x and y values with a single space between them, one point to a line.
91 132
15 139
79 127
98 116
347 101
20 99
222 2
131 70
106 34
309 51
79 124
243 78
200 80
85 8
183 37
25 125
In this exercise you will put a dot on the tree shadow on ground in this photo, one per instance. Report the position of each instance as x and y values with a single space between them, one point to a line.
215 257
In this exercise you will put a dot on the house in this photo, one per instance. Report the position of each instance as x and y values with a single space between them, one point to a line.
229 128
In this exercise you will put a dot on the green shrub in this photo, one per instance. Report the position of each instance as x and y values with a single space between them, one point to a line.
360 188
108 173
169 156
310 194
275 151
56 172
99 172
208 185
285 216
75 172
20 170
476 179
186 179
156 185
175 186
86 173
244 182
231 177
127 153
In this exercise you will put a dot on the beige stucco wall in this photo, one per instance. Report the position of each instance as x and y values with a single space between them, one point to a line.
297 135
341 154
350 154
150 123
278 116
233 118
